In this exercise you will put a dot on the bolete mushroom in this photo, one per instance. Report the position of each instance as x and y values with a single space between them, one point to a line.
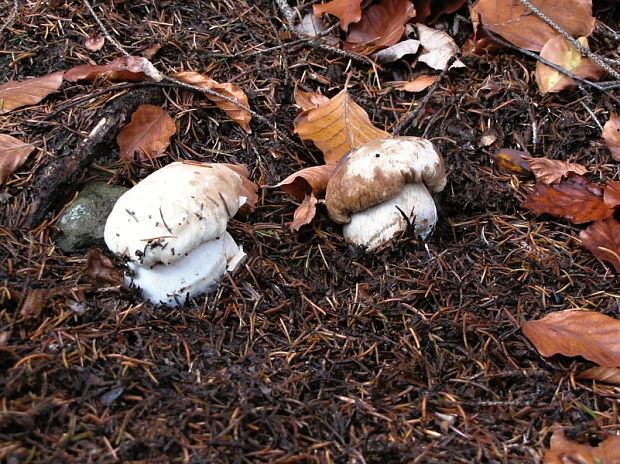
171 227
381 187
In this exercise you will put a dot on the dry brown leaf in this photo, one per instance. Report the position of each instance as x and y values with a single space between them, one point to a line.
550 171
564 451
95 42
347 11
420 83
234 112
574 332
611 194
35 301
559 51
428 11
337 126
100 269
15 94
437 48
313 26
249 189
512 160
127 68
519 26
381 25
574 198
312 180
307 100
304 213
148 133
603 239
602 374
611 135
13 153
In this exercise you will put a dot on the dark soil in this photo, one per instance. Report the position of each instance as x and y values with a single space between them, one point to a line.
314 351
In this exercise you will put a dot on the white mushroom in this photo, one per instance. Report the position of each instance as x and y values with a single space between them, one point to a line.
171 227
381 187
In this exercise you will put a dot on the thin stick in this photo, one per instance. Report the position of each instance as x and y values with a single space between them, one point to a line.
11 17
107 35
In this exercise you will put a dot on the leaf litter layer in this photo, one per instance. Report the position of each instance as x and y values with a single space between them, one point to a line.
314 351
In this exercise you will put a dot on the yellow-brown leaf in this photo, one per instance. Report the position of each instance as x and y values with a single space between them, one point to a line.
611 135
15 94
304 213
13 153
148 133
563 451
347 11
312 180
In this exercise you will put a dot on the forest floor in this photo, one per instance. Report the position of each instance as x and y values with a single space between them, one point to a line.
313 351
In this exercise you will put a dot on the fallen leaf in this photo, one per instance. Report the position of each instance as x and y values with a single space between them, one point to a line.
337 126
420 83
564 451
603 239
249 189
611 194
13 153
312 26
15 94
428 11
437 48
574 198
148 133
312 180
602 374
560 51
549 171
100 269
95 42
35 301
127 68
611 135
381 25
304 213
519 26
512 161
234 112
397 51
574 332
347 11
306 100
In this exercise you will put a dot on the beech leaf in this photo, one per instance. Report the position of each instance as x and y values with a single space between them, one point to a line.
428 11
519 26
512 160
347 11
13 153
127 68
574 332
437 48
337 126
573 198
418 84
235 112
148 133
559 51
304 213
381 25
306 100
100 269
611 135
397 51
549 171
602 374
563 451
603 239
312 180
15 94
611 194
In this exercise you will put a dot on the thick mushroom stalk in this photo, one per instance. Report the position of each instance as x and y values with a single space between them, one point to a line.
382 187
171 227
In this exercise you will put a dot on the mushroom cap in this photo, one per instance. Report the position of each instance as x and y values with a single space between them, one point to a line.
172 211
376 225
378 170
196 273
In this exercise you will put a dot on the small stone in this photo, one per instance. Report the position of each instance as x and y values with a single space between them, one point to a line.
82 224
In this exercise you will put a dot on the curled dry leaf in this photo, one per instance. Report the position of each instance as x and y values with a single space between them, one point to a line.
611 194
127 68
559 51
304 213
603 240
312 180
550 171
148 133
95 42
15 94
611 135
249 189
563 451
381 25
240 115
574 332
428 11
306 100
602 374
574 198
512 161
337 126
347 11
397 51
13 153
519 26
437 48
420 83
100 269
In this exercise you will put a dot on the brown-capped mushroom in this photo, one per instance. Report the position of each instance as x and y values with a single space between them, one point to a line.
381 187
171 227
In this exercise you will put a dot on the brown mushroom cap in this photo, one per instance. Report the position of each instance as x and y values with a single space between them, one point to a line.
378 170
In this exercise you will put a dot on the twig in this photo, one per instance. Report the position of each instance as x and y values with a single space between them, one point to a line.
583 50
107 35
11 16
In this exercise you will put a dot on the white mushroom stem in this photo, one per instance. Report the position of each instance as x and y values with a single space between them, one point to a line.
376 225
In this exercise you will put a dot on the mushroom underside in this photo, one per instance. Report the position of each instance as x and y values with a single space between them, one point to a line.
196 273
376 225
